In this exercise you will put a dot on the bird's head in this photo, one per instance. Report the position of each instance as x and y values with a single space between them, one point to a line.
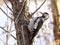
45 15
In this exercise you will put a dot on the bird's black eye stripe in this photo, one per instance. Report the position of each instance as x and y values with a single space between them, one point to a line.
43 16
37 19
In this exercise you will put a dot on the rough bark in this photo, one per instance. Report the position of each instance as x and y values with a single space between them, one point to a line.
20 22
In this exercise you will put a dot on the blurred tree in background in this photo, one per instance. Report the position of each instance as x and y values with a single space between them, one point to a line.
56 15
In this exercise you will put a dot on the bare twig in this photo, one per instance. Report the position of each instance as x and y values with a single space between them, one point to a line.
5 13
4 29
7 6
38 8
8 32
13 37
10 25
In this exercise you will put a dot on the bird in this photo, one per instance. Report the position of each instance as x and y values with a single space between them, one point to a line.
36 24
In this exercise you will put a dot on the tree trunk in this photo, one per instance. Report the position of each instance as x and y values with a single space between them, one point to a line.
19 13
56 21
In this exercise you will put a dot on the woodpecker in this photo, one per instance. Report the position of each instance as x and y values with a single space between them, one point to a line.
36 23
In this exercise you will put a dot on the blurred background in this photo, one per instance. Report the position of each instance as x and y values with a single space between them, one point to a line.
49 34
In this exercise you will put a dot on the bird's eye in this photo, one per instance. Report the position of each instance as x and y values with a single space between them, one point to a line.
43 16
